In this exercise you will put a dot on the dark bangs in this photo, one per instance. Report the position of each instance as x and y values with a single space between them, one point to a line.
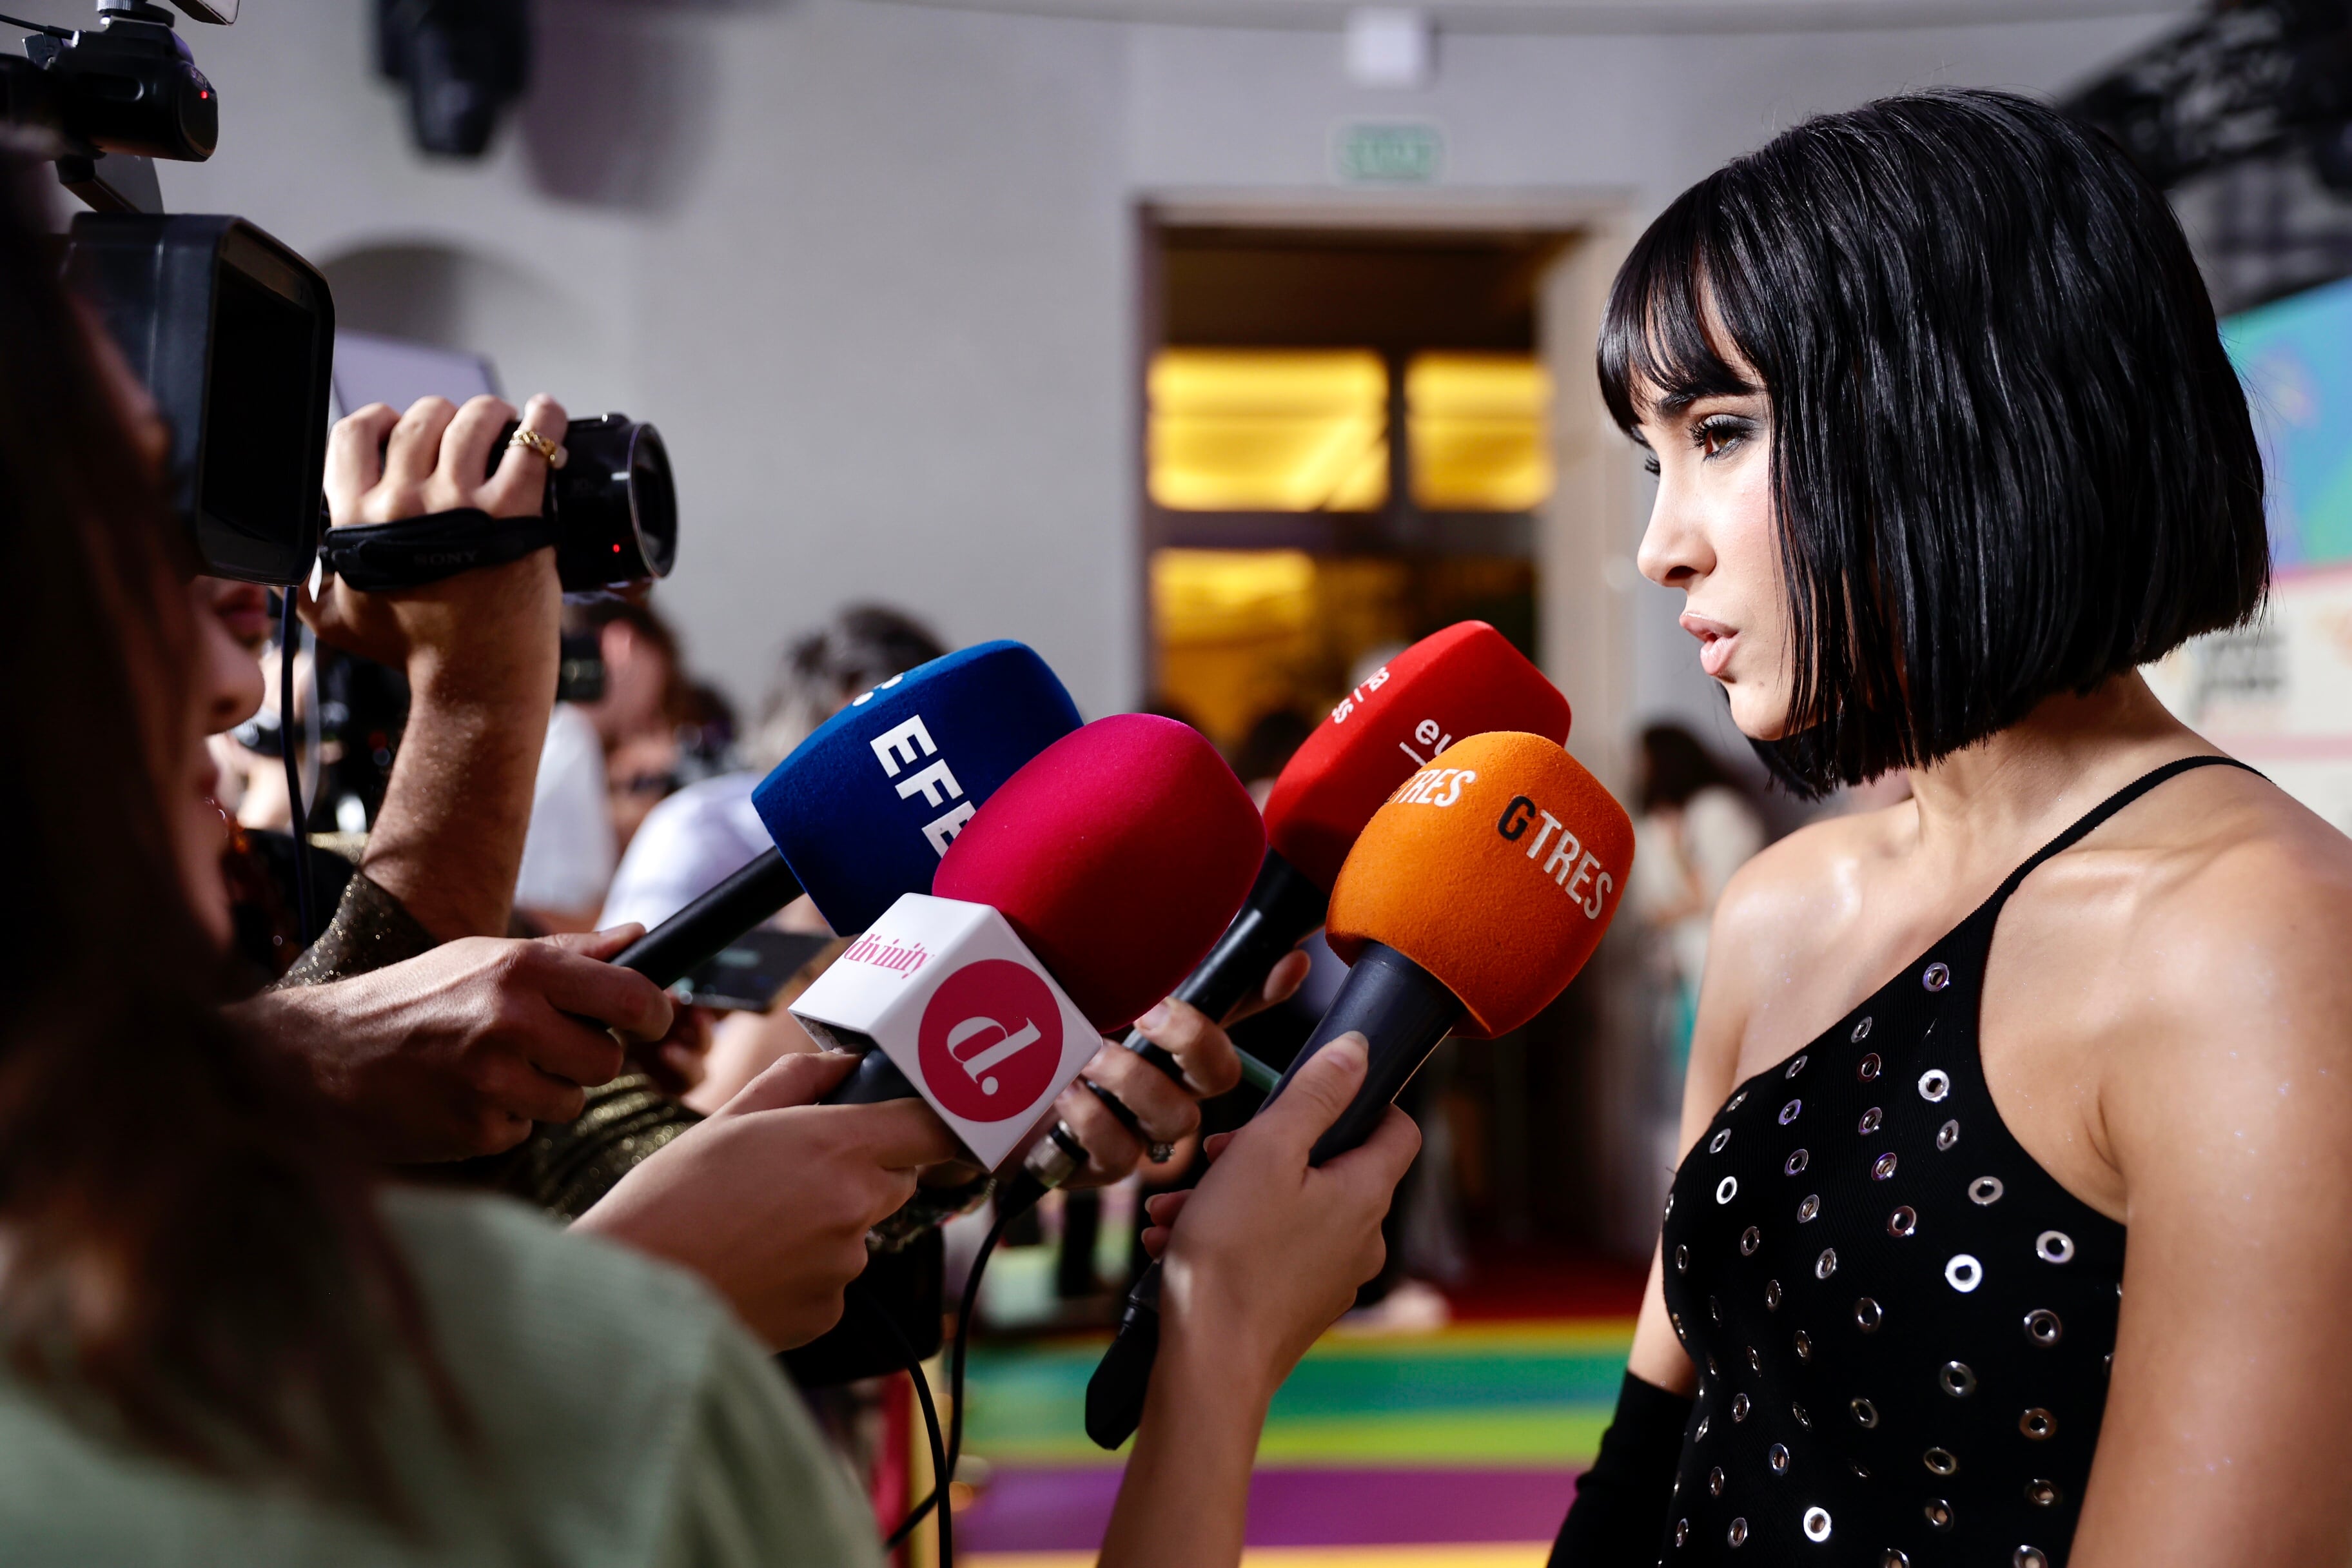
2010 457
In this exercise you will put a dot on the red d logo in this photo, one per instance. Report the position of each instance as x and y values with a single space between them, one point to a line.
991 1039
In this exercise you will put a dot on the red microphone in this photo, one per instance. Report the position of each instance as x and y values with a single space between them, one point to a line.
1074 899
1465 680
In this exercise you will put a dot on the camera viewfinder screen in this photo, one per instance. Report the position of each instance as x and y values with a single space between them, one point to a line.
259 434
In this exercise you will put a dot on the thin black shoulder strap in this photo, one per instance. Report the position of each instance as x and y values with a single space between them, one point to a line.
2107 809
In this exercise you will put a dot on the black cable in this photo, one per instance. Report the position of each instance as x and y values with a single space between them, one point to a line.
37 26
931 1425
965 1311
287 626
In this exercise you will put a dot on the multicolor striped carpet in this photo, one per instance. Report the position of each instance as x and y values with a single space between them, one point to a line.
1456 1450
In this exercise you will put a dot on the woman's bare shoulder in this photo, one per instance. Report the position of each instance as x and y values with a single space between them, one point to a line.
2237 950
1797 900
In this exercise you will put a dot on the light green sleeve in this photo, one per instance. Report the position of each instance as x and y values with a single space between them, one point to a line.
756 1486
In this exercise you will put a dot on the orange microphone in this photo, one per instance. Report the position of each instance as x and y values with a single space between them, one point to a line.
1473 897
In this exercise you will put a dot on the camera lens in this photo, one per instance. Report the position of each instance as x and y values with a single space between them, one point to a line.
614 503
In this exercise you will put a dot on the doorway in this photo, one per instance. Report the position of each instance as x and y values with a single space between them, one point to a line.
1357 429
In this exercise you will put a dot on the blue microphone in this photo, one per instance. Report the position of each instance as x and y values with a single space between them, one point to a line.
863 809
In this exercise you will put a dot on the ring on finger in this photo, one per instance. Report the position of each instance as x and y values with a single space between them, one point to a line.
1160 1153
530 440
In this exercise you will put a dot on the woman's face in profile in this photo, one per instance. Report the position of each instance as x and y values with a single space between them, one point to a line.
224 684
1712 535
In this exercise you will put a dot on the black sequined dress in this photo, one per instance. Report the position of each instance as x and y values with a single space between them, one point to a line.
1903 1324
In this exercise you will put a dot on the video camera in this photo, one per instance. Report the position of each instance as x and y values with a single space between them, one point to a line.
233 332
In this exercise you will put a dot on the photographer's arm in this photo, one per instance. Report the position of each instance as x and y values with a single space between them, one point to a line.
480 650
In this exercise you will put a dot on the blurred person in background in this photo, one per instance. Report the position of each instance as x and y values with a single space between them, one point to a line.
1694 826
629 727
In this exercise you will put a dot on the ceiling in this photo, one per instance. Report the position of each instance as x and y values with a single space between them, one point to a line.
1597 15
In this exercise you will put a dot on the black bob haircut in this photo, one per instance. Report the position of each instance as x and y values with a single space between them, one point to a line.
2010 457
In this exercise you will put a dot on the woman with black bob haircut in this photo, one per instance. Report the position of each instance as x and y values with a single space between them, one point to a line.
1947 447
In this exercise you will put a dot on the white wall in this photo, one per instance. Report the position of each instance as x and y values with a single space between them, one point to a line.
870 266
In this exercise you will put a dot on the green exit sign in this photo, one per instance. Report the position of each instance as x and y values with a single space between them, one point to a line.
1388 152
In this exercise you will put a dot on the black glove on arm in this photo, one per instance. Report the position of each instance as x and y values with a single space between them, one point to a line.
1620 1513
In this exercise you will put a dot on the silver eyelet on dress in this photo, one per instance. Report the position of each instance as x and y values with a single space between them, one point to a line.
1715 1144
1903 1222
1986 1189
1939 1514
1682 1533
1711 1369
1940 1462
1798 1411
1870 1121
1682 1260
1826 1264
1749 1240
1740 1408
1715 1481
2042 1494
1807 1208
1861 1031
1936 977
2042 1327
2038 1424
1934 1084
1715 1308
1771 1295
1948 1134
1700 1436
2055 1246
1791 1110
1963 1273
1817 1519
1677 1319
1804 1345
1670 1205
1882 1167
1738 1534
1777 1456
1796 1066
1956 1379
1796 1161
1868 1315
1868 1070
1726 1189
2028 1557
1735 1103
1755 1362
1891 1558
1866 1414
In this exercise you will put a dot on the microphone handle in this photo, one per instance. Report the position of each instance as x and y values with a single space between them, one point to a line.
1284 905
873 1079
669 951
1403 1011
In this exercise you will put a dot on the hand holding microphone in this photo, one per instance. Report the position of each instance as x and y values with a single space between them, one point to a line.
770 1199
1092 880
1473 897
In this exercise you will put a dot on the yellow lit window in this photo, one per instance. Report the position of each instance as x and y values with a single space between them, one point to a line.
1478 425
1259 430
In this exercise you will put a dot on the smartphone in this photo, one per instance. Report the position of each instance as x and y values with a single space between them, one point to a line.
747 975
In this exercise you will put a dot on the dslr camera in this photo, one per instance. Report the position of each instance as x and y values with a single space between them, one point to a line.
233 332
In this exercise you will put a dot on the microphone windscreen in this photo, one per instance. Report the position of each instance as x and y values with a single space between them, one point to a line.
1120 856
863 808
1465 680
1496 869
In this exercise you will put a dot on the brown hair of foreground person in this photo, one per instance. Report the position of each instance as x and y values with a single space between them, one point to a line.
180 1244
